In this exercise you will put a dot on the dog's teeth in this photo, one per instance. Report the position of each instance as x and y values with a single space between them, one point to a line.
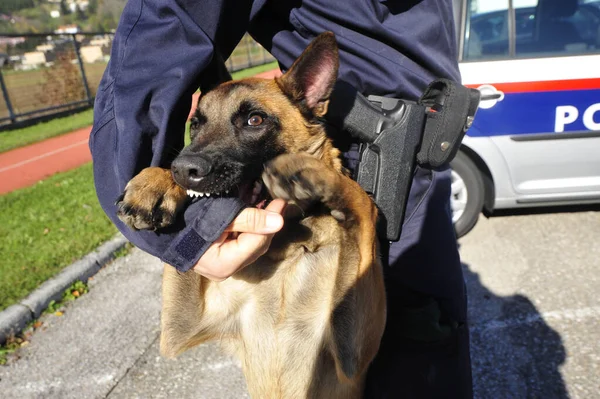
201 194
226 191
207 194
217 193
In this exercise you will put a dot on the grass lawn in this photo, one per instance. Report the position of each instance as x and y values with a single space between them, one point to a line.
46 227
11 139
244 73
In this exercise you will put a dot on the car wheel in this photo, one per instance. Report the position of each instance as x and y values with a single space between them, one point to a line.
467 193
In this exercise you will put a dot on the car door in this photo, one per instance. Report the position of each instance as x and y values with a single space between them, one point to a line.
539 58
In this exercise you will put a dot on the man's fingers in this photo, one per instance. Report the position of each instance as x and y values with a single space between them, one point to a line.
229 253
259 221
246 248
277 205
226 258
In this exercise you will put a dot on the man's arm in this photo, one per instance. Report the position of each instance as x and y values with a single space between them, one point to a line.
162 52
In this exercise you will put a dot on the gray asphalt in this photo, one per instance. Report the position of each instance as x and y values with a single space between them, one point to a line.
533 282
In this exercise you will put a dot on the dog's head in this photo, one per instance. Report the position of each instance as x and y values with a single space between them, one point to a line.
240 125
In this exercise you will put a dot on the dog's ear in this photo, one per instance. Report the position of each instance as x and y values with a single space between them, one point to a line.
311 78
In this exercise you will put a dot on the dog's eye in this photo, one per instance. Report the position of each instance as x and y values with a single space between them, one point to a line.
197 121
255 120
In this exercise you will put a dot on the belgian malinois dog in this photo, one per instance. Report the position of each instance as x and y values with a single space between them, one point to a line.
305 319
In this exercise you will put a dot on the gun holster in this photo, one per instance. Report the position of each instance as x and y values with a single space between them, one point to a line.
451 111
396 134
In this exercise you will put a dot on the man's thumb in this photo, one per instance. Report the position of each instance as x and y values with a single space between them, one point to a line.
259 221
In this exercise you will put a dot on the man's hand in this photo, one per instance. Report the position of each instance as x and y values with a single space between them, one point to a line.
245 240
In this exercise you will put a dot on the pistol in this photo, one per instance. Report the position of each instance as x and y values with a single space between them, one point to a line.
396 135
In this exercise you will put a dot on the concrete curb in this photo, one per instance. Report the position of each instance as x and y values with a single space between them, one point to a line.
14 318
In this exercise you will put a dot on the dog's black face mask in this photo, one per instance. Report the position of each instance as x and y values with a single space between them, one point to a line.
233 136
240 126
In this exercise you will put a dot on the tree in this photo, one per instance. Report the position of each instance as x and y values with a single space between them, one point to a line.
64 9
107 22
79 14
92 7
9 6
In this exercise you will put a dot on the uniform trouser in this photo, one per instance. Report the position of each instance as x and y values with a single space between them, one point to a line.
425 349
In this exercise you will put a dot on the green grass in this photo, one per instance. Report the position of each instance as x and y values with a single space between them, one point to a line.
11 139
244 73
46 227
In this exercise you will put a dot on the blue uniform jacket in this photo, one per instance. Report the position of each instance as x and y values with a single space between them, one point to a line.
164 50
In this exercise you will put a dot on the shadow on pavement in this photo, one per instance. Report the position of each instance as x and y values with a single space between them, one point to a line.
514 353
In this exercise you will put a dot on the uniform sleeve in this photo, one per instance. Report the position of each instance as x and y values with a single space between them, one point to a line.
162 52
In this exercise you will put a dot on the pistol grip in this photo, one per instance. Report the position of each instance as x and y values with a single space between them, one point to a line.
387 165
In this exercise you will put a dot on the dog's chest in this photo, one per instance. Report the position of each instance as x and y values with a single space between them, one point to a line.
300 289
283 321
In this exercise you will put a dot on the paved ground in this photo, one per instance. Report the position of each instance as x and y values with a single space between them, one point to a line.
533 282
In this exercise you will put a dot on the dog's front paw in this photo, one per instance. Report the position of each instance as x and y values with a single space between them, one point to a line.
151 200
300 178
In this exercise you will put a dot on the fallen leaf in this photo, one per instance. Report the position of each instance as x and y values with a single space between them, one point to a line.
75 293
24 343
46 231
58 313
37 324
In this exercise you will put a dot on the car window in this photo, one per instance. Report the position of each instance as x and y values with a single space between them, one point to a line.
525 23
559 27
486 34
542 28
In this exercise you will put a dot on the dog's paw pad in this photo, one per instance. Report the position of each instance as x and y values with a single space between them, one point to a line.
135 217
150 201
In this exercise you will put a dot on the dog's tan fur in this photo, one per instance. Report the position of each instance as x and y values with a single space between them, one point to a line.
305 319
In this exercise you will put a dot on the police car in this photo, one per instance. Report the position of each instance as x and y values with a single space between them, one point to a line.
535 140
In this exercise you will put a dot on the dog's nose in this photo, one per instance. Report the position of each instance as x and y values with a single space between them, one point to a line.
189 170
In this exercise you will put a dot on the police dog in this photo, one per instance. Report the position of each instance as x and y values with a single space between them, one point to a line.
306 318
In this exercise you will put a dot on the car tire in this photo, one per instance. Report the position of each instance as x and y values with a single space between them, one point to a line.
467 194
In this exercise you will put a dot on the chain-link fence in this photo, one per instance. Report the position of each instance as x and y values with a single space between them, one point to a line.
43 75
